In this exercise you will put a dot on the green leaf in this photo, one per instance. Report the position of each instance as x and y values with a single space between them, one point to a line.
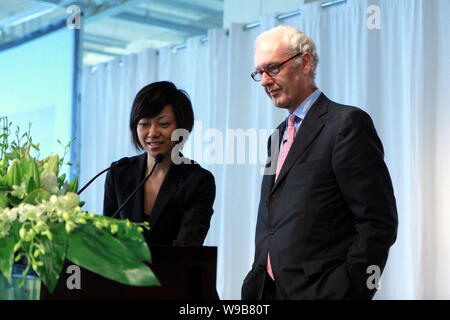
55 254
31 185
7 254
99 252
52 164
3 201
7 249
35 146
3 166
134 240
24 168
34 172
13 174
4 183
61 180
37 196
73 186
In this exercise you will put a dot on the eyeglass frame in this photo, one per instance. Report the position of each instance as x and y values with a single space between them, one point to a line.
274 65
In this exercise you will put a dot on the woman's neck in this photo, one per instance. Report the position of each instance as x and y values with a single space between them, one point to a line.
162 167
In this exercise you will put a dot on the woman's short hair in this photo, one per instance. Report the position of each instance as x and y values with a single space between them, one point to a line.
152 98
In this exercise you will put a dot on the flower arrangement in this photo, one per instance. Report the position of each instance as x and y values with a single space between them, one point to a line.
42 223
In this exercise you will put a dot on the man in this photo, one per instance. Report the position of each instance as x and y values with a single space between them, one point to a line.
328 212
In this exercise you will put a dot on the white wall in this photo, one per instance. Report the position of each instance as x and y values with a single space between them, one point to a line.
239 11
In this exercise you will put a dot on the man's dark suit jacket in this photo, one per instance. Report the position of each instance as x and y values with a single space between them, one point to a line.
183 207
331 213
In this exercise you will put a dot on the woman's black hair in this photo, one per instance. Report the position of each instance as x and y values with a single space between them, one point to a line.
152 98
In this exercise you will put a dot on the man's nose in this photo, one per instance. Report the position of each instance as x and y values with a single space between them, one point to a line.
266 79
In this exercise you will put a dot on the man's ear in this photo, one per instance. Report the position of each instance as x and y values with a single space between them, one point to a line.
306 60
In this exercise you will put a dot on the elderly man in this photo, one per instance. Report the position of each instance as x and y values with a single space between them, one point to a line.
327 217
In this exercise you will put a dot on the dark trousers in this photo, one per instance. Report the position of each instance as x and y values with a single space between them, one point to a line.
270 291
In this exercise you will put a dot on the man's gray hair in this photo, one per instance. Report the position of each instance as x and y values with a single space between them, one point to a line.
296 40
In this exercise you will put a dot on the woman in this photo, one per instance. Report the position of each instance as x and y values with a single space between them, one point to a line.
177 199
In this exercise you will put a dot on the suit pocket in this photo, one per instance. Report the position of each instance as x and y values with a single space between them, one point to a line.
313 267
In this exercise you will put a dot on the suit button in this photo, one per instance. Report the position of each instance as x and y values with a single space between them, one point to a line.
272 232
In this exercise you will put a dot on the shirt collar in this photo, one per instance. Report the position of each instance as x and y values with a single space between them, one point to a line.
306 104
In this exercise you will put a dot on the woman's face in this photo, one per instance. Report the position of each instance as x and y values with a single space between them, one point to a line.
155 133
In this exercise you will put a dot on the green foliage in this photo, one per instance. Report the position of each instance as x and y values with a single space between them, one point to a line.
7 254
42 223
115 261
3 200
53 256
37 196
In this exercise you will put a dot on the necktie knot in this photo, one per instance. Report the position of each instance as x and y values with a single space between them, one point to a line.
291 120
291 128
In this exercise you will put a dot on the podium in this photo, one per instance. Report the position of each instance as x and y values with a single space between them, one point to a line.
185 273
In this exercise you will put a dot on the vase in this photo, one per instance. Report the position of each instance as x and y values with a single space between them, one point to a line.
20 287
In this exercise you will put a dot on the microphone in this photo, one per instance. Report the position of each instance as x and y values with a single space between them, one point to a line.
122 162
158 158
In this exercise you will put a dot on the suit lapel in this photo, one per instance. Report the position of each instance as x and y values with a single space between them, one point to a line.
273 154
308 131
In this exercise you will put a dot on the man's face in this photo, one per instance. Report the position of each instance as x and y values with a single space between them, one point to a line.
291 85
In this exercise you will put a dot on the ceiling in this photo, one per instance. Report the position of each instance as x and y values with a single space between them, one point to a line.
112 28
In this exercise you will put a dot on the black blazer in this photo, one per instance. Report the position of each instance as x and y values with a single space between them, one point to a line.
183 207
330 214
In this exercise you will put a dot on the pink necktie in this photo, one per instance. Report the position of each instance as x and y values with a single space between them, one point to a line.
283 153
287 145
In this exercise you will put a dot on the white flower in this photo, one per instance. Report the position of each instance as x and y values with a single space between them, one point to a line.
26 212
53 199
41 215
19 191
8 214
12 214
71 200
41 227
4 228
70 226
66 215
49 181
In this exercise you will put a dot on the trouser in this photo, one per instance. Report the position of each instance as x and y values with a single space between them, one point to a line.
270 291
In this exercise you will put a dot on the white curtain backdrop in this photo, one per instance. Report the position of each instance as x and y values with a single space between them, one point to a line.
399 74
107 93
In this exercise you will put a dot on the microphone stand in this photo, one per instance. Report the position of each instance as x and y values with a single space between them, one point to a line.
121 162
159 157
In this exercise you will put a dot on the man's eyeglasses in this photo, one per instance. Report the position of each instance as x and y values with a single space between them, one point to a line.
271 69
